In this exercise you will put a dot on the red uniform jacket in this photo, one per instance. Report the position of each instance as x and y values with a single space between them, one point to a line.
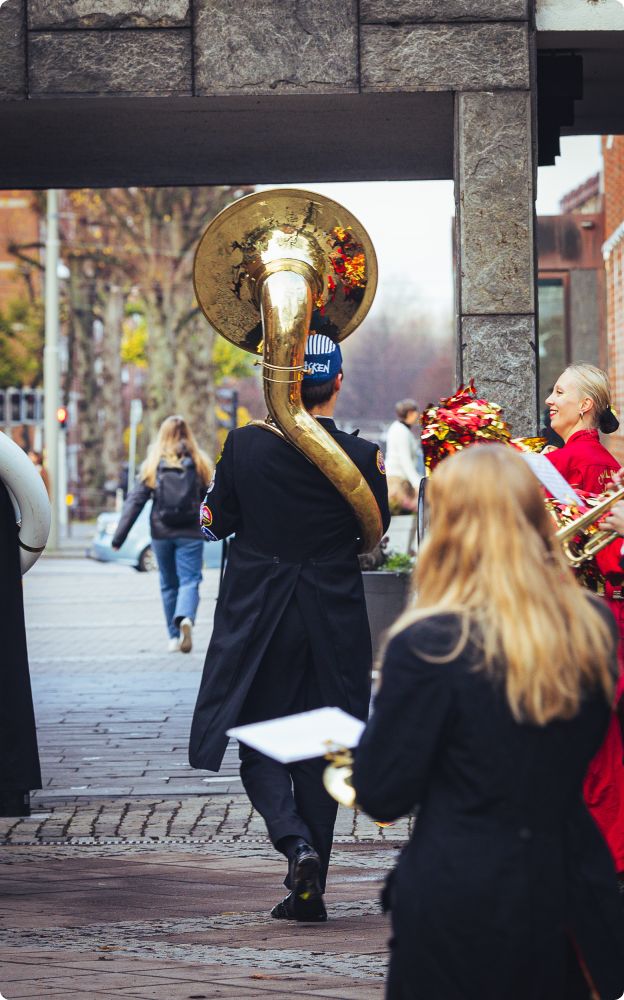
588 466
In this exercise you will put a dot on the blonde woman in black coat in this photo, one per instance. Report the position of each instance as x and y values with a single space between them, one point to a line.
495 695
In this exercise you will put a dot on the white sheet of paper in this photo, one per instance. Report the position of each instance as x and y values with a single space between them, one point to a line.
299 737
549 477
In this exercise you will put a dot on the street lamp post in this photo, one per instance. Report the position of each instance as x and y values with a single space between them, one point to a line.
136 414
51 366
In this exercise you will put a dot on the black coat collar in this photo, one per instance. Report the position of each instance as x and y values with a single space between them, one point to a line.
328 423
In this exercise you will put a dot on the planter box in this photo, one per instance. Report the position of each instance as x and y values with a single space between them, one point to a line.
399 531
386 594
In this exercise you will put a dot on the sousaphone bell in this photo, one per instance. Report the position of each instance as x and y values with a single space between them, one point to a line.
267 269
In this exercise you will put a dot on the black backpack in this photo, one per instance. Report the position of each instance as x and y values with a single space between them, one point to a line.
176 495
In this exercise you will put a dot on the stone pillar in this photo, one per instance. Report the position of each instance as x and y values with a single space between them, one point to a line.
494 187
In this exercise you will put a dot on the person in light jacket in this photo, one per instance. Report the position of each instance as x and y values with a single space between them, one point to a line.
404 462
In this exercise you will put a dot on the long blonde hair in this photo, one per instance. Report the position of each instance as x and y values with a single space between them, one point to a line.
490 555
174 441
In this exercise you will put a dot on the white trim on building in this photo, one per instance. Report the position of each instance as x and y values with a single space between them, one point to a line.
579 15
616 237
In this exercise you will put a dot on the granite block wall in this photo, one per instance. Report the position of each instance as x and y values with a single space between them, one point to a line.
13 85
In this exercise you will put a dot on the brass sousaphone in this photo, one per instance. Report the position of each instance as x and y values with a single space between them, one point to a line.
264 268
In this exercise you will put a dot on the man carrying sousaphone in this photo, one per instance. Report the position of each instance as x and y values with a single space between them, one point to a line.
291 632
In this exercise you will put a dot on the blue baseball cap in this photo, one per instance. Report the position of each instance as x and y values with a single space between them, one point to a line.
323 359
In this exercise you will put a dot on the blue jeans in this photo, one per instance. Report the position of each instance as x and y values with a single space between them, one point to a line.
180 567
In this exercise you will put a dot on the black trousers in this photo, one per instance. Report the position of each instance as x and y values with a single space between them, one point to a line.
290 797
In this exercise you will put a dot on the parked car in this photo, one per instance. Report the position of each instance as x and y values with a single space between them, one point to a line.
137 551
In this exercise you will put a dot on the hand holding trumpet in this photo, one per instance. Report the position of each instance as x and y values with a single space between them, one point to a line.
614 520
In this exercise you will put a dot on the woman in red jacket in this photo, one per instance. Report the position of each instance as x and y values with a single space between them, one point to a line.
580 406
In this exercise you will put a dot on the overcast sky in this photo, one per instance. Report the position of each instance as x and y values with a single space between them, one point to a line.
409 222
580 158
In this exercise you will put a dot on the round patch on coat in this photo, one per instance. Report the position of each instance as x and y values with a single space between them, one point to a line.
381 465
206 516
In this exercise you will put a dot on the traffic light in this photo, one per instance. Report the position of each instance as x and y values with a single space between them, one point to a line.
29 398
61 416
15 406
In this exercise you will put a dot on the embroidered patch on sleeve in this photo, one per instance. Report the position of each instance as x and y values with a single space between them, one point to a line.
381 465
205 522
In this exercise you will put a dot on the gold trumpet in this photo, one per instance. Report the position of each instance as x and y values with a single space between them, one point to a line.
582 538
338 777
262 268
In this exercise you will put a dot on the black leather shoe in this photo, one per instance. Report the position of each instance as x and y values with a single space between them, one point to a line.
305 879
305 911
284 910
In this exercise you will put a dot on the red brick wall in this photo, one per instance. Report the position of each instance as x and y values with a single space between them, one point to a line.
613 170
18 224
613 158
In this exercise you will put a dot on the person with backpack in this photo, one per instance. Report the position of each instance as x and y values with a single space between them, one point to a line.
175 475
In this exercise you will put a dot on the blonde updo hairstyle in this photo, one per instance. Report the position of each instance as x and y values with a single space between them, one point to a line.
593 383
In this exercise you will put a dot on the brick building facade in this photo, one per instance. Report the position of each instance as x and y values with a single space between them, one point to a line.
613 253
19 225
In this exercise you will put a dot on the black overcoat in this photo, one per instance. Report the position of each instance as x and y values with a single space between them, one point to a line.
295 536
19 754
505 859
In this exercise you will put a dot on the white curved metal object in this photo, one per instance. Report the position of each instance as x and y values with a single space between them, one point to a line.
30 500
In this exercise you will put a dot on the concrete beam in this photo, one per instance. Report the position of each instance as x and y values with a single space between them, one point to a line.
106 142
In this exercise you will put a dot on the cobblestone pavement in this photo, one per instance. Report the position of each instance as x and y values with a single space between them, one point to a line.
135 875
113 706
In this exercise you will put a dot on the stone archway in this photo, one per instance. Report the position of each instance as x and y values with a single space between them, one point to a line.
101 94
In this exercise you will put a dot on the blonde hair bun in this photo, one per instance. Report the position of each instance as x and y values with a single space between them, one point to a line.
594 383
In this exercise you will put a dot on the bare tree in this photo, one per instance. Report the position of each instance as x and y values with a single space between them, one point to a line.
403 350
157 230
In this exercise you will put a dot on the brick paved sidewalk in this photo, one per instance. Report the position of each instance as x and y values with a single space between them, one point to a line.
136 876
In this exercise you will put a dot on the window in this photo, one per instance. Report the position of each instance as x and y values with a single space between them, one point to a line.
552 339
